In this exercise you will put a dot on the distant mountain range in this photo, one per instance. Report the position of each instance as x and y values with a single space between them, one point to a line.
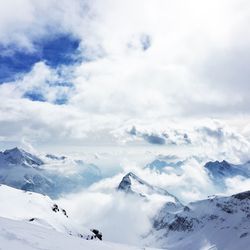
26 171
213 223
217 171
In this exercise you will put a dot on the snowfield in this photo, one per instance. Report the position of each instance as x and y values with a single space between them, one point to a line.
21 235
37 209
34 221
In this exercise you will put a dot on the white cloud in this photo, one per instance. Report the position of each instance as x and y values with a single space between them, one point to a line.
124 218
36 20
237 184
115 215
192 79
181 74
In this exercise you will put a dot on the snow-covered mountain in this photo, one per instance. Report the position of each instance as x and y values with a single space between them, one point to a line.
18 156
32 221
214 223
219 170
37 209
132 184
23 170
162 164
199 225
22 235
51 176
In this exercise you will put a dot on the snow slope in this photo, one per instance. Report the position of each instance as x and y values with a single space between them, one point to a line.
214 223
37 209
25 236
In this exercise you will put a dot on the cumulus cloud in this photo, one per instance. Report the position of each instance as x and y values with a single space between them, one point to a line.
166 61
237 184
102 207
189 180
166 78
114 214
38 20
170 76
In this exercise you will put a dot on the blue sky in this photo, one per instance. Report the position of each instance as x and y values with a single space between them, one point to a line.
56 51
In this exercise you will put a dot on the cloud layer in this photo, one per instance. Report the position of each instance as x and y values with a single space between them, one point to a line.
135 63
125 218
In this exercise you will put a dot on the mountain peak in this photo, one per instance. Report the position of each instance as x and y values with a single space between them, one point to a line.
21 157
224 169
14 150
218 167
132 184
125 184
133 176
128 180
217 163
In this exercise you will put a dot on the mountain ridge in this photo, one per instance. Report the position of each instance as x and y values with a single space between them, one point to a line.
23 170
212 220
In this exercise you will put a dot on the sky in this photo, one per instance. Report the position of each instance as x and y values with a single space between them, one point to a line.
88 73
137 80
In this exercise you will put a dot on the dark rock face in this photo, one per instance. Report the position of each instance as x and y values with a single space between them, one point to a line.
97 234
182 224
242 196
227 207
244 235
54 157
125 184
55 208
186 209
65 213
178 223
